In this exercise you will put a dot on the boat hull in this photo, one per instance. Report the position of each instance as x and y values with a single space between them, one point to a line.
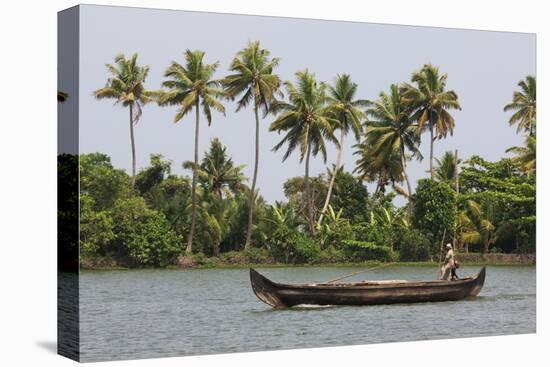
280 295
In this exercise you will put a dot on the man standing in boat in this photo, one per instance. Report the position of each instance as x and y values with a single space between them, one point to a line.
449 266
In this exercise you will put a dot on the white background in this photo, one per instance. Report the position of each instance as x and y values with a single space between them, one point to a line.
28 181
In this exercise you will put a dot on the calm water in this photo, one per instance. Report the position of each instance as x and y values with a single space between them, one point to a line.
161 313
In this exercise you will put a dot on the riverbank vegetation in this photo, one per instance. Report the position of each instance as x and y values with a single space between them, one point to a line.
157 218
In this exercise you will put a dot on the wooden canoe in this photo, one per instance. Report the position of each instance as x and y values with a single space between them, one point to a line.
280 295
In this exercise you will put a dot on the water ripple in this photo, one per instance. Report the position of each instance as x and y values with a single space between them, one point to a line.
163 313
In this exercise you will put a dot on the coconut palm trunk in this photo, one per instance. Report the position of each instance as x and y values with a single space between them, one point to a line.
309 202
253 187
189 248
216 249
409 189
133 144
404 167
431 148
333 177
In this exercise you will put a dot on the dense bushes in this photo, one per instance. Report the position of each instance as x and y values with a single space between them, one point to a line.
375 233
143 235
291 246
362 251
148 227
434 208
414 245
130 232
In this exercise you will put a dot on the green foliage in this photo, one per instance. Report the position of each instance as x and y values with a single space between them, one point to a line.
478 223
503 185
345 106
526 156
253 77
373 233
430 102
446 168
172 197
413 245
495 208
363 251
96 229
391 133
308 124
371 169
257 256
199 258
254 80
126 83
216 218
126 87
217 173
290 246
153 175
143 235
280 215
295 191
192 85
434 209
332 255
101 181
524 103
304 249
350 196
334 229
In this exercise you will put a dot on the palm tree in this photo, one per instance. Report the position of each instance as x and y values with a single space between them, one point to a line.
217 220
308 122
526 158
431 103
346 110
378 168
446 169
126 87
193 86
173 198
477 223
253 78
217 171
524 103
391 132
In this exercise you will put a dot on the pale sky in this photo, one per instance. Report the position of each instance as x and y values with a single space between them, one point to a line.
483 67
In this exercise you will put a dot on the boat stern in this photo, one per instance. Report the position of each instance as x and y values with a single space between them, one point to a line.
479 280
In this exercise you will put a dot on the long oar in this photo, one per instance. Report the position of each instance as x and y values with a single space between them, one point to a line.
358 272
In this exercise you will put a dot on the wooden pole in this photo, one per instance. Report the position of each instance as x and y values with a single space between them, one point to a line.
441 253
359 272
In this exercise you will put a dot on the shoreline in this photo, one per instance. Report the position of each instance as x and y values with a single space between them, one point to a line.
213 263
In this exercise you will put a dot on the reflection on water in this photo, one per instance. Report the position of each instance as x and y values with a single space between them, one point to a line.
161 313
67 315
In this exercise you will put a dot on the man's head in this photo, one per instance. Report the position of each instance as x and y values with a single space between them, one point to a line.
449 246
